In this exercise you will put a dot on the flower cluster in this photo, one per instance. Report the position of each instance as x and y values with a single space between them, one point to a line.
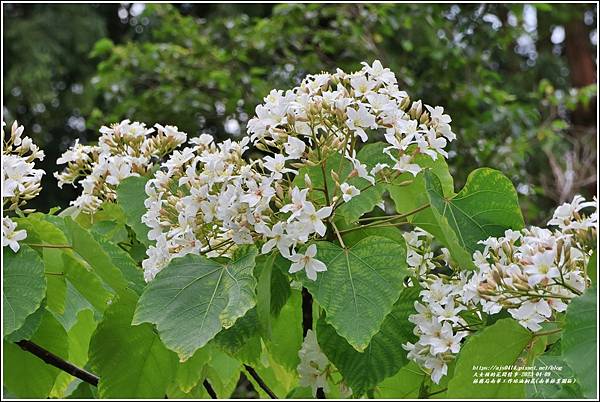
532 274
208 199
314 365
124 149
204 199
536 272
333 112
21 181
438 322
315 369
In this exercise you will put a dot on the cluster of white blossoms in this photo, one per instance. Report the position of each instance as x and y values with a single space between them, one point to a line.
335 111
124 149
314 365
315 368
208 199
532 274
21 181
536 272
205 199
438 324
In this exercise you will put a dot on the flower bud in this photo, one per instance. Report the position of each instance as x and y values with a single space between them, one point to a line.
307 180
335 177
291 118
279 191
405 103
416 110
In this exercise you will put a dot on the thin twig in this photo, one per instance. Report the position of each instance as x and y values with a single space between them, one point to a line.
260 381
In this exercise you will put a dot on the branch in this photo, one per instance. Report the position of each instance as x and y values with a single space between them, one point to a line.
85 376
53 360
210 390
260 381
307 319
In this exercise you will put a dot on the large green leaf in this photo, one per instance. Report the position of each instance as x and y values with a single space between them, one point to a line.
264 271
223 373
497 345
23 287
383 357
242 340
194 297
280 284
130 360
405 384
31 325
553 390
75 303
41 231
26 375
579 341
92 252
192 371
287 333
123 261
409 193
486 206
87 283
131 195
360 286
79 336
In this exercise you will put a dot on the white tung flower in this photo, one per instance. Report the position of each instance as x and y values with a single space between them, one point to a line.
315 218
360 119
528 316
276 164
543 268
348 191
313 364
307 262
10 236
294 147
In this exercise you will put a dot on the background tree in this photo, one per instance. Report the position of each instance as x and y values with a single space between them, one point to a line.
516 78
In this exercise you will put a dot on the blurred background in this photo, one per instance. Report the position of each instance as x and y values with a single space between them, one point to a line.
518 80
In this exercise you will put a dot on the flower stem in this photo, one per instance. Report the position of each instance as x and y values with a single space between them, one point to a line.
48 245
389 219
337 232
549 332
